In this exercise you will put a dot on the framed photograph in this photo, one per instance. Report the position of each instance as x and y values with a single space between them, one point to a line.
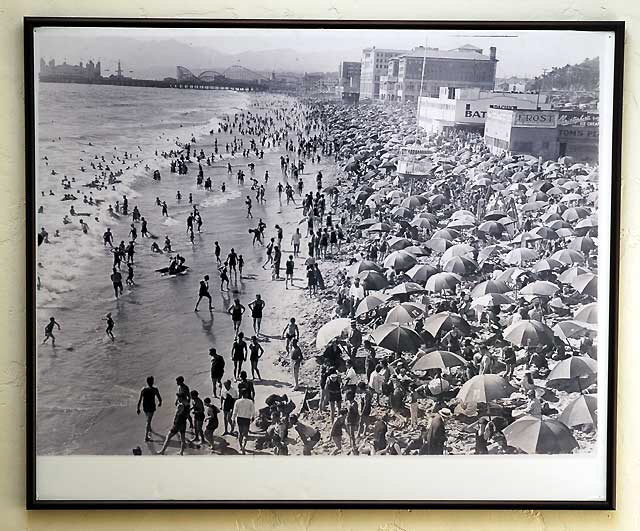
322 263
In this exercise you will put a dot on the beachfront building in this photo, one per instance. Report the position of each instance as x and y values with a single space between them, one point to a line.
374 64
466 108
543 133
422 71
69 73
348 88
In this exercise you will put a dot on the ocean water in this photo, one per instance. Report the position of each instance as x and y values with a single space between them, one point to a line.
87 387
76 124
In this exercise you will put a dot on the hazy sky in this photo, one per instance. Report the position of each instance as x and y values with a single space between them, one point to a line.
519 53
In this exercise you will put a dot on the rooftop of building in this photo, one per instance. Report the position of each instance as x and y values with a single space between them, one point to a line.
463 52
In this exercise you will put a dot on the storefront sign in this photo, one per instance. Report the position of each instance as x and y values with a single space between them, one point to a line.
547 119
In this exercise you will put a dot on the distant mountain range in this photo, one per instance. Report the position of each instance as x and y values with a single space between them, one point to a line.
158 59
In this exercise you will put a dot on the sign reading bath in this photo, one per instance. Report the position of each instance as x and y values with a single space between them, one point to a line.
535 119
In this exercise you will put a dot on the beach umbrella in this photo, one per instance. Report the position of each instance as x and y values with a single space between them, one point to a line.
446 234
581 412
540 288
442 281
520 256
364 224
570 185
380 227
439 245
586 225
568 198
416 250
396 337
421 272
510 274
485 388
363 265
444 321
460 249
547 264
545 233
573 367
373 280
462 213
570 274
575 213
533 206
489 286
517 186
396 243
413 202
568 257
406 288
582 243
573 329
461 223
492 299
402 212
460 265
587 313
400 261
331 330
537 435
557 224
565 233
537 195
405 313
494 215
437 200
438 359
556 209
371 301
491 250
433 219
421 223
492 227
528 333
523 238
586 284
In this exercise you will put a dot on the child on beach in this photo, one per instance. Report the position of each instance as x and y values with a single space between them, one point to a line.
48 331
110 325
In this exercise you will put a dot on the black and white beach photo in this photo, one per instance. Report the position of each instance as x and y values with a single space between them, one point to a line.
258 250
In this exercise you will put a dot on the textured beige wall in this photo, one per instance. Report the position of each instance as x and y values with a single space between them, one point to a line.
12 459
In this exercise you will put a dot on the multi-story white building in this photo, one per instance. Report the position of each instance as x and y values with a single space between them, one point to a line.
374 64
468 107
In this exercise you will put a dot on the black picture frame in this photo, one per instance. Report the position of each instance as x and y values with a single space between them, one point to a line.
32 23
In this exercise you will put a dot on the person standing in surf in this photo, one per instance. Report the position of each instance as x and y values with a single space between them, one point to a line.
48 331
110 325
203 293
238 354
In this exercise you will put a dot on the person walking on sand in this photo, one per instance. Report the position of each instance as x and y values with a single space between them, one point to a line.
204 293
217 252
255 353
269 251
296 362
248 203
289 266
238 354
179 424
232 261
217 371
210 421
224 277
148 397
48 331
110 325
197 407
228 398
295 241
236 310
290 332
256 307
243 414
